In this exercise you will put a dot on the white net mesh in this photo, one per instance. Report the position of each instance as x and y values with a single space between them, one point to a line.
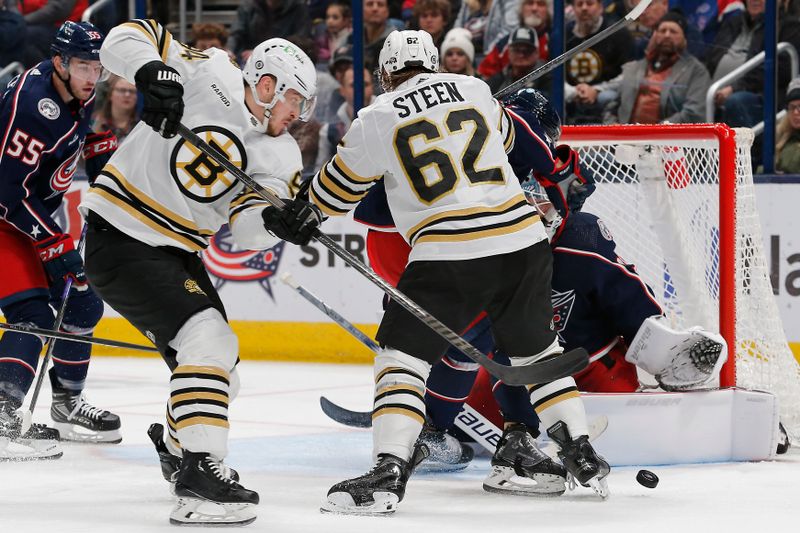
668 225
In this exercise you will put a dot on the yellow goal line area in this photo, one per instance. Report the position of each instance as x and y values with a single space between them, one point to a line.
312 342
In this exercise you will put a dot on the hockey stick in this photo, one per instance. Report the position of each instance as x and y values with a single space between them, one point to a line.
60 335
588 43
539 372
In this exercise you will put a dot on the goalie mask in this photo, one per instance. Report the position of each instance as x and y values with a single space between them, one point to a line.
538 197
291 68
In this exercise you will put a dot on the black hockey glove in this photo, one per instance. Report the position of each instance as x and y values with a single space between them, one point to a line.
61 262
97 151
295 222
163 97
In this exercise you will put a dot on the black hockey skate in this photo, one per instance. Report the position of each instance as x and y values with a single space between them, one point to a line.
78 420
377 492
519 467
581 461
207 497
171 463
39 442
447 453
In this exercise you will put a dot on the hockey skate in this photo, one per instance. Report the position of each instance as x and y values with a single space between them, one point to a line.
207 497
171 463
447 453
519 467
377 492
583 464
78 420
39 442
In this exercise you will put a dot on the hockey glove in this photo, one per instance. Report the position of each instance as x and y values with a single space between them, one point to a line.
574 181
61 262
163 97
97 151
295 222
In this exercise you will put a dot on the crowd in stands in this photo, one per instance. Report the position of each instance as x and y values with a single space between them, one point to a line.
658 70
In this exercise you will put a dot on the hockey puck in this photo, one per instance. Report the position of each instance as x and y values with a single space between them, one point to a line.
647 479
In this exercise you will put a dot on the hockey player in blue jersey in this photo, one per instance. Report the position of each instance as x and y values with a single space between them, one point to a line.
45 118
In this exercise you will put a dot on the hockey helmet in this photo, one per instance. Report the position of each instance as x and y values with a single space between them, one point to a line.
291 68
81 40
539 106
408 48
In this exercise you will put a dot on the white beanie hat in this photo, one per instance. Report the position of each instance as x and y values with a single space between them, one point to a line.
459 38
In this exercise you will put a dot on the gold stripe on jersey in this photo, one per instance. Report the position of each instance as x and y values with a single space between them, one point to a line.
243 202
325 207
110 197
480 232
467 214
339 191
164 43
145 29
174 218
348 173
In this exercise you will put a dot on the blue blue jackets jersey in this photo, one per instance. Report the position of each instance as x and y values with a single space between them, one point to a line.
597 297
42 138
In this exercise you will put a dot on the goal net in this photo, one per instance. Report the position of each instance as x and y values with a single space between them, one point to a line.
694 235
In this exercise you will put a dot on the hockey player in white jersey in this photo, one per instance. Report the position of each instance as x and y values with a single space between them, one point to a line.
440 141
157 203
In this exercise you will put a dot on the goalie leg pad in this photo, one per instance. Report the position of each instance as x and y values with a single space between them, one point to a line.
680 360
399 410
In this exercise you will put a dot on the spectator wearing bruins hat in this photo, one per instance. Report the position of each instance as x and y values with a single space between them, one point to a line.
458 52
668 85
787 143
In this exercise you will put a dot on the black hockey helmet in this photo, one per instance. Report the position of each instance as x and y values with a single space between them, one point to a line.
539 106
81 40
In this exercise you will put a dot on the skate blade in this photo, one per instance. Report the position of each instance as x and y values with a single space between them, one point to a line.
76 433
384 504
198 512
433 467
29 450
503 480
600 487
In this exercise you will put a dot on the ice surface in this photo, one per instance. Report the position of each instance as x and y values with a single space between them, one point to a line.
291 453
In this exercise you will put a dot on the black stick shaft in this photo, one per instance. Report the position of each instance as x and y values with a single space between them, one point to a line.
59 335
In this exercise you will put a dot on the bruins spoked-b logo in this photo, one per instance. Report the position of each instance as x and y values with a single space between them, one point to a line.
198 176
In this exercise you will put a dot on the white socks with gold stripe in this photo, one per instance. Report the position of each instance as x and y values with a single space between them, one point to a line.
560 400
399 411
199 405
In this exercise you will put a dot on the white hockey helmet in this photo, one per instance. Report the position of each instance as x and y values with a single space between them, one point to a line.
408 48
291 68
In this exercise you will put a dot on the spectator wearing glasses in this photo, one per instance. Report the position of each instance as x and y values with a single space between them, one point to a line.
787 143
118 112
458 52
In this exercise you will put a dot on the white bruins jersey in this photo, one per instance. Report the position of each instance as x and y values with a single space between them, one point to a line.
165 192
440 143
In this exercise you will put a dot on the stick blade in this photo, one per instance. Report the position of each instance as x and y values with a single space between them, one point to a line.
558 367
354 419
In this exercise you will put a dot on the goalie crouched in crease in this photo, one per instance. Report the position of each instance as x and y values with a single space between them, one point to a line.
46 114
440 142
149 217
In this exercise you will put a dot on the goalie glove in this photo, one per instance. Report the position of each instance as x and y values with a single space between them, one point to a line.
679 359
97 150
61 262
295 222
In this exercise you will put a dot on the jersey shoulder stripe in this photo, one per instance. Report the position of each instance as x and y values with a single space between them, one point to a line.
479 232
